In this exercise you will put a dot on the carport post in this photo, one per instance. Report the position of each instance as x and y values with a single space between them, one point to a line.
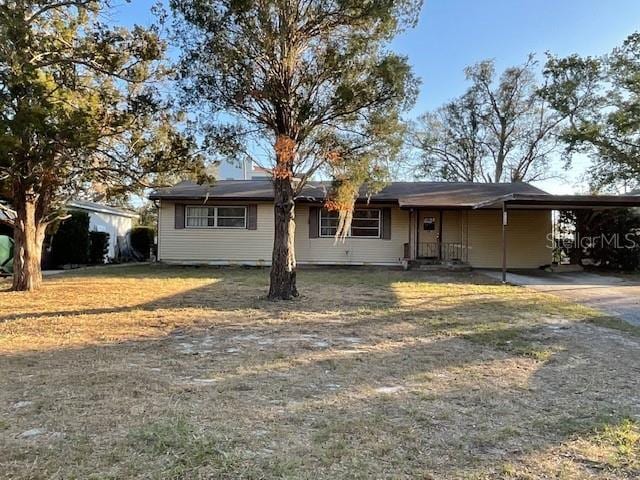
504 242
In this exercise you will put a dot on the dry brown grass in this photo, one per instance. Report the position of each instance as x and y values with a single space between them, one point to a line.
152 372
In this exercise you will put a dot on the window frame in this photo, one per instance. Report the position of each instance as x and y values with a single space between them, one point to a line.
215 217
432 224
379 218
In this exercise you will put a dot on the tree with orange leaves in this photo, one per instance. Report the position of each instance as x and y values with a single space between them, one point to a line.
312 82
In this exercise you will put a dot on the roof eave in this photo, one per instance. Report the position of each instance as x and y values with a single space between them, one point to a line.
117 213
562 202
306 199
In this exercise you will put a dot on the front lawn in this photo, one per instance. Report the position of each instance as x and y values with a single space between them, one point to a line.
159 372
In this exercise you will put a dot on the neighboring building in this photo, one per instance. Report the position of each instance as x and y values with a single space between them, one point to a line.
260 173
117 222
241 170
232 222
226 170
7 218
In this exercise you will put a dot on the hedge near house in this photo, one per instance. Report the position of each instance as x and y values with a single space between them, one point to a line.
98 247
608 239
70 244
142 239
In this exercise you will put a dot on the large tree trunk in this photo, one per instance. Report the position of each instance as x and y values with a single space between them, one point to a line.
283 262
28 237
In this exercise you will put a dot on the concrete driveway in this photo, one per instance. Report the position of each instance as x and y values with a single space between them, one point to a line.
609 294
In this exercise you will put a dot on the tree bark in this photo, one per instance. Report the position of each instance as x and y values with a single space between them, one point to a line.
28 239
283 261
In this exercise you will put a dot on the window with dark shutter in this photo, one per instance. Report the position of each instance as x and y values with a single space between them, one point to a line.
229 216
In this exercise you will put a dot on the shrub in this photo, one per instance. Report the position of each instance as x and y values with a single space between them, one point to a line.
608 238
142 239
98 247
70 244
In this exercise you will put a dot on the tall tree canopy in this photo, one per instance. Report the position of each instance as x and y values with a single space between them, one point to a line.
500 129
451 141
311 83
79 103
601 97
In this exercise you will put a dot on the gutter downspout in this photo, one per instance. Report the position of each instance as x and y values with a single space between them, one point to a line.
504 242
440 236
157 205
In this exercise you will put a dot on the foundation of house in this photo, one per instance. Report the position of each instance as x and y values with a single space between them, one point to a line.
429 264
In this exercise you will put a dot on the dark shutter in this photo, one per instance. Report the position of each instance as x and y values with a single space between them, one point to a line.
386 224
314 220
252 217
179 207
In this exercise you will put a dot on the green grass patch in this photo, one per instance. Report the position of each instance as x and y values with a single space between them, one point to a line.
624 438
182 447
513 340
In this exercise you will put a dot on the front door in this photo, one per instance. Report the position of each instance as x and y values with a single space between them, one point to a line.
429 234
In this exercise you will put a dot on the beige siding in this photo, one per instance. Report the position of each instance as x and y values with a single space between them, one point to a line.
216 245
452 226
526 238
527 242
208 245
353 250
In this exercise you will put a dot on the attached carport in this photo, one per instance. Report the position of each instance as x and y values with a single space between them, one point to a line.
534 201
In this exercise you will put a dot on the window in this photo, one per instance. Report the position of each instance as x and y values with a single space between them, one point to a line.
200 217
365 223
328 223
429 223
234 217
216 217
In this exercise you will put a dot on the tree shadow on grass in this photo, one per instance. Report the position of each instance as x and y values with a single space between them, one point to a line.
226 289
378 387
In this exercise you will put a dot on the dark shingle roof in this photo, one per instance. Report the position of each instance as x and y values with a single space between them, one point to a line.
437 194
462 194
562 202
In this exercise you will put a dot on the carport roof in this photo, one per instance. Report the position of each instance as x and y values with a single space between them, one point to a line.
545 201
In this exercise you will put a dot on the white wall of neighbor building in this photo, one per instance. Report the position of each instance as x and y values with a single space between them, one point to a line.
234 170
240 170
527 240
115 225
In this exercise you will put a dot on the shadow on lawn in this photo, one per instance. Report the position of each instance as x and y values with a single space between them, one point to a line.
447 405
425 388
233 288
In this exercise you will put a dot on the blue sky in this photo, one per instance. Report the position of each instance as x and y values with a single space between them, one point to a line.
452 34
